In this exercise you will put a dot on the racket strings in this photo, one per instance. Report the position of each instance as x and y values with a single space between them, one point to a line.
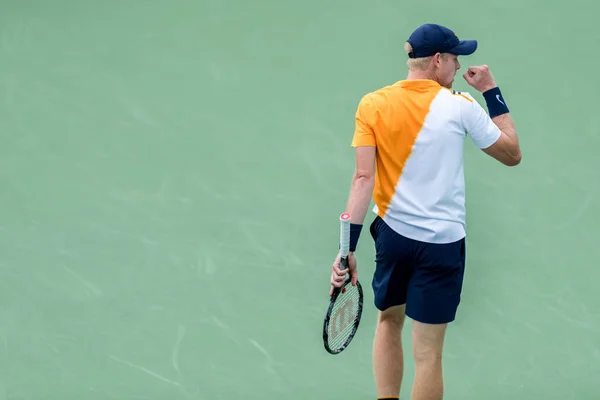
344 317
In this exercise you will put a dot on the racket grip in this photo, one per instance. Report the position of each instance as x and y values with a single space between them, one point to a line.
344 235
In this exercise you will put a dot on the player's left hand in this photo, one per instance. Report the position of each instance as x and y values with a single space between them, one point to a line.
338 276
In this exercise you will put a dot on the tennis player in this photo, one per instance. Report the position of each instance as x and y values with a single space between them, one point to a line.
409 141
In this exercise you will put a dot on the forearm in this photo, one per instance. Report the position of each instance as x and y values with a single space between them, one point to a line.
500 115
361 190
506 124
359 199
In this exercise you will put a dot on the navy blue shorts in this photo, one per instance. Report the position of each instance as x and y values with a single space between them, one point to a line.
427 277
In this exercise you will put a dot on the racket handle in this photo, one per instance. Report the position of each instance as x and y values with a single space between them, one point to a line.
344 238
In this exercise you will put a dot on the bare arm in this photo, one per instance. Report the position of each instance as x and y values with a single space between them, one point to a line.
506 149
361 188
363 181
361 191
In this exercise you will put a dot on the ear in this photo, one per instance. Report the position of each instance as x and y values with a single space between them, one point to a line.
437 59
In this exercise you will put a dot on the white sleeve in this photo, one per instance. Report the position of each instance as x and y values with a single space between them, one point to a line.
478 124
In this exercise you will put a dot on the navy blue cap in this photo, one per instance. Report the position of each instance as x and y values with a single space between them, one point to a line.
429 39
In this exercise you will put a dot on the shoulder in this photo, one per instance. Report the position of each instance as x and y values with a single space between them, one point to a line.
369 103
381 93
461 97
371 98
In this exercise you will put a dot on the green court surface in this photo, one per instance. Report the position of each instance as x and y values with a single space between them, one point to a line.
172 174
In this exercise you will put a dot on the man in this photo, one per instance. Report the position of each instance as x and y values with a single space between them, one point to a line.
409 141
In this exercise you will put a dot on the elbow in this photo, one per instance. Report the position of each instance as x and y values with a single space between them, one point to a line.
514 160
364 181
364 176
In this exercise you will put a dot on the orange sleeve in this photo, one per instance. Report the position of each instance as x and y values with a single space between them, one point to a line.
363 132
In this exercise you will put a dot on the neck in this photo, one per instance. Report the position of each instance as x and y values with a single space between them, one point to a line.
418 74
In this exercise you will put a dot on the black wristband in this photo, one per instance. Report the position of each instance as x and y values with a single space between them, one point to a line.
495 102
354 235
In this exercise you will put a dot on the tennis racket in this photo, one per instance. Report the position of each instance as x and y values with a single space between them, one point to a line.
346 303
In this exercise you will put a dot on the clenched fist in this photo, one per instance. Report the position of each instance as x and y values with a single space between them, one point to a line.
480 78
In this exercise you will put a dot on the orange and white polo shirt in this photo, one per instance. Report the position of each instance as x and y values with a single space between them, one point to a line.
419 128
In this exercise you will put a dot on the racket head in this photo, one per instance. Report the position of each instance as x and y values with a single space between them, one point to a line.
343 317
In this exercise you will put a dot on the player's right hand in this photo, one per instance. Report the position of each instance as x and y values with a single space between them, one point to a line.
480 78
338 276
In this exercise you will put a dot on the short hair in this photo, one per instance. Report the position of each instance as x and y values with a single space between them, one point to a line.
420 63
